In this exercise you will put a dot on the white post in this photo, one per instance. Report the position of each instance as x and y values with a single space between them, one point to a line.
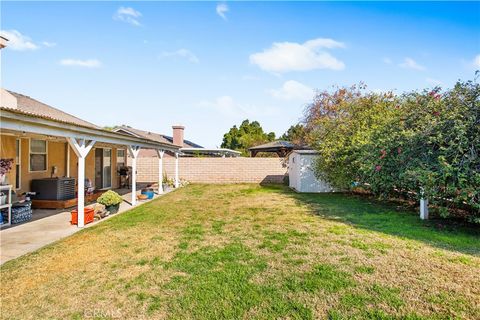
177 181
81 149
160 170
423 206
134 154
81 192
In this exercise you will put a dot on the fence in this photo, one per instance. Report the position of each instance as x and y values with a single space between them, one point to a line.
215 170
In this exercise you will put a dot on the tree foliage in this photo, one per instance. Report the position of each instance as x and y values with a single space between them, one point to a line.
295 134
392 144
249 134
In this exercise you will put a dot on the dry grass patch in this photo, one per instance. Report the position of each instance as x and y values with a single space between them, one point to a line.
251 252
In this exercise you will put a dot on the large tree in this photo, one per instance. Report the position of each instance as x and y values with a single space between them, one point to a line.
295 134
249 134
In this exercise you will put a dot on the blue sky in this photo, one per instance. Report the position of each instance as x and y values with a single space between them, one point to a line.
209 65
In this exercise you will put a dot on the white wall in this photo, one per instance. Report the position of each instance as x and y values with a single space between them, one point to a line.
302 176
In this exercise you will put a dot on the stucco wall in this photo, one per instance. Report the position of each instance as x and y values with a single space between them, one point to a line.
215 170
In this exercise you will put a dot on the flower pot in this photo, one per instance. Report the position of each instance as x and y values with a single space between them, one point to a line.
113 208
3 179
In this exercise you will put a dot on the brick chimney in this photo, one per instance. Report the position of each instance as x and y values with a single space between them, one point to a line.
178 135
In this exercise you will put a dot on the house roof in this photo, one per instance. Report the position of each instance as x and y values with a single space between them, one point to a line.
154 136
39 118
34 107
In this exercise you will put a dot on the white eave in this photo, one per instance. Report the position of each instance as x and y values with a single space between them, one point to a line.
25 122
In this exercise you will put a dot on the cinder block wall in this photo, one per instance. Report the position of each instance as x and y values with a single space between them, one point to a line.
215 170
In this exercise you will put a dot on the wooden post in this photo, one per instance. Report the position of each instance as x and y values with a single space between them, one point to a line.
134 150
81 149
160 170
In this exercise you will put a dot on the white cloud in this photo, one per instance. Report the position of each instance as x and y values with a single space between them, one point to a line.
292 56
181 53
90 63
128 15
49 44
221 9
387 60
18 41
409 63
227 106
293 90
476 61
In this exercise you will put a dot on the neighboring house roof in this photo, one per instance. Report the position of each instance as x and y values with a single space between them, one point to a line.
186 143
34 107
153 136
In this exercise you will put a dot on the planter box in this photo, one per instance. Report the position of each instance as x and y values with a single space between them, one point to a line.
89 214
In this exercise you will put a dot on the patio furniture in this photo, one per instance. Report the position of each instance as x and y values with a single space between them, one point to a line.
124 176
19 210
6 204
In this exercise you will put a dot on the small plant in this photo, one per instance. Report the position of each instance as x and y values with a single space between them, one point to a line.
110 198
167 181
5 166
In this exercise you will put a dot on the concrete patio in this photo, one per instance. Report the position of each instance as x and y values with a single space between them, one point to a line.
47 226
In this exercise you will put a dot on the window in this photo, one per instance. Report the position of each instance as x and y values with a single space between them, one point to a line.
18 151
120 158
38 155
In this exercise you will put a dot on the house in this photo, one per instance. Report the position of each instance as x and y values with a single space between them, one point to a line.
187 148
45 142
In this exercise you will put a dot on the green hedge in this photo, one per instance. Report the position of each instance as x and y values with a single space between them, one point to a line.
394 144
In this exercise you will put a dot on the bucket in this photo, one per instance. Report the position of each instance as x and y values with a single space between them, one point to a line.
89 215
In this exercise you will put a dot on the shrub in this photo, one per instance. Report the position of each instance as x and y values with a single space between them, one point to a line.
394 144
110 198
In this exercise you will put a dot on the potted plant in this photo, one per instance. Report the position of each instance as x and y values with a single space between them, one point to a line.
111 200
167 183
5 166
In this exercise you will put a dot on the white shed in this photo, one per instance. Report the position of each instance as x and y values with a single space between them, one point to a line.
301 172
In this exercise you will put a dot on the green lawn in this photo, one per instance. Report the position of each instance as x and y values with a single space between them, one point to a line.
251 252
